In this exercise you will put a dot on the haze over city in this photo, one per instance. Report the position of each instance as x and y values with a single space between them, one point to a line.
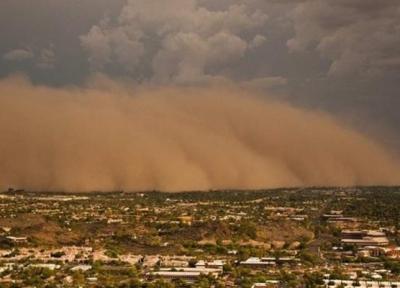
198 95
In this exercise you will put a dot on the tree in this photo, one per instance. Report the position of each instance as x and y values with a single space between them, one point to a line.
313 280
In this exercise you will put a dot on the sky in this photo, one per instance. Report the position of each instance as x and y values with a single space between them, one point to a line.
340 57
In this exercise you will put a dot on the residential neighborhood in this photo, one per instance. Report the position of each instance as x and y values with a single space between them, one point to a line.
316 237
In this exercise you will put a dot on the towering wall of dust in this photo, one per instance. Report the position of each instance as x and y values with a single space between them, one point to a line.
107 137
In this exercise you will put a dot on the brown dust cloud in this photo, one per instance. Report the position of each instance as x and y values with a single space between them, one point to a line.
107 136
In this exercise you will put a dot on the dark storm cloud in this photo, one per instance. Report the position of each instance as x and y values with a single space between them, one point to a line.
360 38
359 44
50 29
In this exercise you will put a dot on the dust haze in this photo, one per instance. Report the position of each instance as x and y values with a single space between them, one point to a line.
109 136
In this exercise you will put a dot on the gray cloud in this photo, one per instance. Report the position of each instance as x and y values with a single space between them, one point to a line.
60 22
44 58
18 55
47 58
360 38
258 41
264 83
182 40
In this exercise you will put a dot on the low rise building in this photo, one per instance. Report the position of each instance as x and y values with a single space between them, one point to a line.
17 239
360 284
187 274
257 262
266 284
364 238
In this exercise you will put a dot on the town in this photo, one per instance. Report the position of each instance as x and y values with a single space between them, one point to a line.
311 237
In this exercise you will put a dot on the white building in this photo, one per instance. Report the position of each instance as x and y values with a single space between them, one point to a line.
257 262
361 284
188 274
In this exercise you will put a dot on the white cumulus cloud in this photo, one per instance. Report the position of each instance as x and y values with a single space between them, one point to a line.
182 41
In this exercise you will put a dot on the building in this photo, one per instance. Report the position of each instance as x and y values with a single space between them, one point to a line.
49 266
187 274
359 234
266 284
82 268
187 220
257 262
337 219
360 284
17 239
363 238
216 264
